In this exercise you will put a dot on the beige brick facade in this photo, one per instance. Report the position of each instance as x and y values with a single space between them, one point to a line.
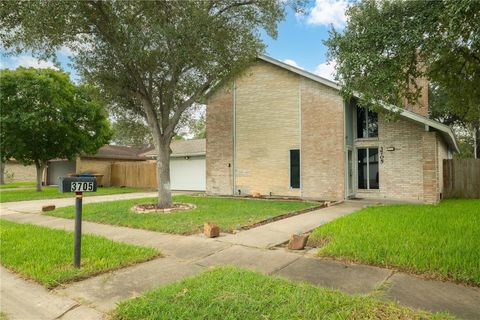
253 123
267 126
322 164
219 162
15 171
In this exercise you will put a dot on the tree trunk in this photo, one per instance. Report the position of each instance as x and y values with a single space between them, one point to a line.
40 168
163 175
2 172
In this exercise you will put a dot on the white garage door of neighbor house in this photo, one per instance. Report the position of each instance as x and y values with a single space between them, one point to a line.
187 174
58 169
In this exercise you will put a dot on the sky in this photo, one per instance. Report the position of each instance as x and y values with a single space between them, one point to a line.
299 41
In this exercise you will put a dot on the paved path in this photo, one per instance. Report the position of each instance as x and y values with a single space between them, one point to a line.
278 232
36 205
185 256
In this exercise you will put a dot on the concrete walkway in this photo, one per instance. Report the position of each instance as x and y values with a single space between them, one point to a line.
185 256
278 232
36 205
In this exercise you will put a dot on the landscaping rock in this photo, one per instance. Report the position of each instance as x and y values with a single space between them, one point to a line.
211 230
297 242
50 207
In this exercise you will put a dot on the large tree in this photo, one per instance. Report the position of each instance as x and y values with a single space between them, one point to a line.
387 45
154 58
45 116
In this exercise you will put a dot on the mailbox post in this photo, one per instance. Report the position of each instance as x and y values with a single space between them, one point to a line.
79 185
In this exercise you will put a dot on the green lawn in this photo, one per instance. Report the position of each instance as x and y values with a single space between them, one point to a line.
231 293
18 184
226 212
52 193
45 255
435 240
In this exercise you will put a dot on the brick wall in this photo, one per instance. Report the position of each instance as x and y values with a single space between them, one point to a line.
267 104
430 168
322 155
219 157
19 172
401 173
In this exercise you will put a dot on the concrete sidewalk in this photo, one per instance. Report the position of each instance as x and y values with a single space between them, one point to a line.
21 299
278 232
187 256
36 205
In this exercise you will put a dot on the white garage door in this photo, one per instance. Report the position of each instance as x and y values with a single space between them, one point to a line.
187 174
57 169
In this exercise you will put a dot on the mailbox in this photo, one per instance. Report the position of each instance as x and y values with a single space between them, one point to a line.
77 184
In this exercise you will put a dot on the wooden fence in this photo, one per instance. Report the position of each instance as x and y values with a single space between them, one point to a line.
461 178
134 174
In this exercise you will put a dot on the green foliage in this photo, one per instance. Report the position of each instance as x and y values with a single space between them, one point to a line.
128 131
52 193
45 255
152 58
45 116
233 293
387 45
437 240
226 213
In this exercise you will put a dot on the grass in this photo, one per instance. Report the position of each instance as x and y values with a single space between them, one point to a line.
232 293
440 241
18 184
53 193
45 255
226 212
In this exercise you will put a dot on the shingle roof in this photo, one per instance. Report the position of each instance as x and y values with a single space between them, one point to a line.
181 148
116 152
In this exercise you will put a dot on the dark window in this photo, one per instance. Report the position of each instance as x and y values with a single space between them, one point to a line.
362 169
368 168
295 168
367 123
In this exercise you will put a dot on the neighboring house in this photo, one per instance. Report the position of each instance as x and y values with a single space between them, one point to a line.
279 130
15 171
187 164
99 163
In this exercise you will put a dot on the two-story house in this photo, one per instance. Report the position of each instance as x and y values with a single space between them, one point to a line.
279 130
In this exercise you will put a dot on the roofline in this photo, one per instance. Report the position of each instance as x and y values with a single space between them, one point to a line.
306 74
448 133
176 155
446 130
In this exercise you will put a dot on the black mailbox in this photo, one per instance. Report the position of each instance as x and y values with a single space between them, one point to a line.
77 184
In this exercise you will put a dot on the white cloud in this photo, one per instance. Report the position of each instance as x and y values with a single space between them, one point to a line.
326 12
292 63
326 70
26 61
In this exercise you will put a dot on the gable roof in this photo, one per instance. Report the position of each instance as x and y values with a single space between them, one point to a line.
444 130
182 148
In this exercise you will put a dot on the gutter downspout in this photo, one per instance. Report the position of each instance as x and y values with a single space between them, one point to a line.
234 129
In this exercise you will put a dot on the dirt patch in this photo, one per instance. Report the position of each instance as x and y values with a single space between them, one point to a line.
153 208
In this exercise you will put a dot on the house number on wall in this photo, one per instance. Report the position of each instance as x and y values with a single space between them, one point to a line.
381 155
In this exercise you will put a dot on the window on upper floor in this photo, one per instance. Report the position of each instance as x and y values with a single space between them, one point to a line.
367 123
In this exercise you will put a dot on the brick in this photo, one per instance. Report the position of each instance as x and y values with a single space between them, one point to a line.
50 207
211 230
297 242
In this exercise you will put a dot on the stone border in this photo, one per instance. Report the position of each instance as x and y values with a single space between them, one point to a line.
177 206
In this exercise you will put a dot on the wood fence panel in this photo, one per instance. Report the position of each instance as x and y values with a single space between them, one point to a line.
134 174
461 178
